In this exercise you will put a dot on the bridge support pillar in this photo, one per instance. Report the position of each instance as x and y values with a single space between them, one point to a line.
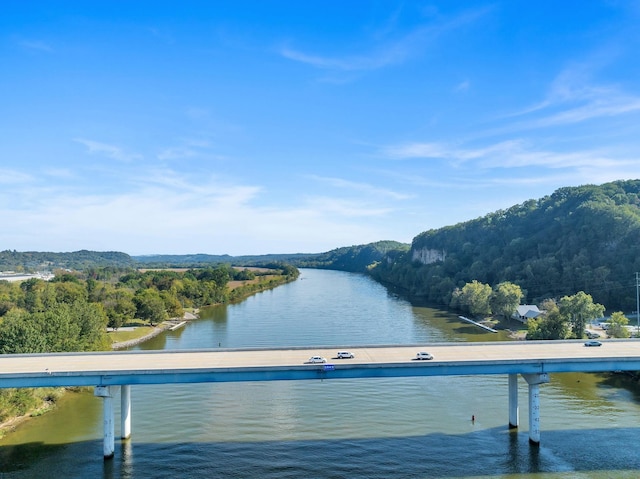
534 381
514 410
125 411
106 393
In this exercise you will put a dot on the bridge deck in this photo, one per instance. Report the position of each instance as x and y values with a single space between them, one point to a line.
152 367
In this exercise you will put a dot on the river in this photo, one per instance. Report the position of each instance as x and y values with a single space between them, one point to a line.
364 428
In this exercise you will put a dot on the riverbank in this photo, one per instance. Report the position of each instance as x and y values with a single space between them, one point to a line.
156 330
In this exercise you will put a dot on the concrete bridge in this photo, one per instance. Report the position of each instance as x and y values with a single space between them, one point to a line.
113 372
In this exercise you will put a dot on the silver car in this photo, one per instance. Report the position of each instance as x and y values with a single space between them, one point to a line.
423 355
316 359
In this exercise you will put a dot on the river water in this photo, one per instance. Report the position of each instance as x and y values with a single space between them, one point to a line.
363 428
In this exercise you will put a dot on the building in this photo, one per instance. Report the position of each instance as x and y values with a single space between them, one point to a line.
525 312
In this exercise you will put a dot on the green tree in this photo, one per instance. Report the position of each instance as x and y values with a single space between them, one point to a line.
579 309
20 334
92 321
119 306
32 300
70 291
172 304
506 298
474 298
618 325
149 306
550 325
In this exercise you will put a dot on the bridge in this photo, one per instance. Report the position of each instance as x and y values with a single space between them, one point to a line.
113 372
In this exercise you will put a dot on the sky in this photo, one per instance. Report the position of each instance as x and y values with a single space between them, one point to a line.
255 127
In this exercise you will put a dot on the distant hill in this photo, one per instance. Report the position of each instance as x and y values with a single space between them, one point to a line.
78 260
357 259
583 238
199 260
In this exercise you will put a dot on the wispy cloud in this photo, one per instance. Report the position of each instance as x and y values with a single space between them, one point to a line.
346 208
13 177
508 154
360 187
36 45
109 151
387 51
188 149
573 97
462 86
372 61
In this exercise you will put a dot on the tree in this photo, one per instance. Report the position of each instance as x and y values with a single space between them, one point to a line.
92 321
579 309
551 325
506 298
474 298
19 334
172 304
150 307
618 325
119 306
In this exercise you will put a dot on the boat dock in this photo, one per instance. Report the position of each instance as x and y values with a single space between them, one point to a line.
478 324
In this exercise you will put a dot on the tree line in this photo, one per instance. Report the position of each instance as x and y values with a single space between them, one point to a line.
565 318
72 311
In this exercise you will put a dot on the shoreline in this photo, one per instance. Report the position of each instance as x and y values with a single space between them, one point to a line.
161 328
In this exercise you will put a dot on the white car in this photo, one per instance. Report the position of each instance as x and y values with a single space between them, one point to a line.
423 355
345 355
316 359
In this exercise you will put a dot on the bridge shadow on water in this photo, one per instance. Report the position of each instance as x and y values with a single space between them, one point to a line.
493 452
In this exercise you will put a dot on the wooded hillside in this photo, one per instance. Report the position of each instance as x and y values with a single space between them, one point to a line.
577 239
29 261
355 259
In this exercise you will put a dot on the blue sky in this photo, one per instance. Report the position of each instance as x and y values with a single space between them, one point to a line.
254 127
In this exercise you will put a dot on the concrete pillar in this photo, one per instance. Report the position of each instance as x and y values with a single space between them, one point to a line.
125 411
534 413
514 410
106 393
534 381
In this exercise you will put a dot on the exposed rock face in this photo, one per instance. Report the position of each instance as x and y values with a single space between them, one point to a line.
428 256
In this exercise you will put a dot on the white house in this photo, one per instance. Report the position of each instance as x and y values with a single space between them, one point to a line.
525 312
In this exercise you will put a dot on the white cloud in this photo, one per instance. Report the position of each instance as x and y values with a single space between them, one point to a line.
13 177
573 98
360 187
107 150
36 45
164 211
516 153
386 51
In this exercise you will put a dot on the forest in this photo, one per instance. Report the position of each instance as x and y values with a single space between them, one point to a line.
72 311
577 239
